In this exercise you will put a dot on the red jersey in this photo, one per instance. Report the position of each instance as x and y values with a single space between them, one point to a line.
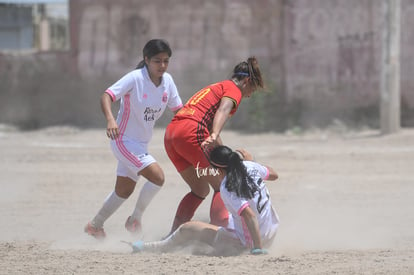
202 106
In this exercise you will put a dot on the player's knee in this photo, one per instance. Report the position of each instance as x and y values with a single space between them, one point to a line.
124 187
185 228
124 192
158 179
154 176
202 193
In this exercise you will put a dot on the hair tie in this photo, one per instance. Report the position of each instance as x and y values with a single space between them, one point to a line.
241 156
242 73
218 165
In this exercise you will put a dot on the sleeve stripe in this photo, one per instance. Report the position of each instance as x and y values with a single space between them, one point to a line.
242 208
234 101
176 108
267 174
111 94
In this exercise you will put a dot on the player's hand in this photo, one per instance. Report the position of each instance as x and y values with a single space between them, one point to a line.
246 155
258 251
112 130
209 143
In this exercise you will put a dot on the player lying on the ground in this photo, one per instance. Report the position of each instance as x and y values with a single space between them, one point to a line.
253 222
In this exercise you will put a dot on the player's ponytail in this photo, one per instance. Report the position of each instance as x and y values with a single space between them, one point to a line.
249 68
238 180
154 47
141 64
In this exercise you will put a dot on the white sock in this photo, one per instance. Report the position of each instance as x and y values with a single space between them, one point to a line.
166 245
148 192
111 204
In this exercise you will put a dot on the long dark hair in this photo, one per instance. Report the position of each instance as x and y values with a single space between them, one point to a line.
238 180
154 47
249 68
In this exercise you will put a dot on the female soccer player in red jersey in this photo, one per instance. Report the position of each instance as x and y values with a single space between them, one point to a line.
195 130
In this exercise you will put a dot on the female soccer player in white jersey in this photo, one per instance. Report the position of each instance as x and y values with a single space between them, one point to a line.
252 221
144 93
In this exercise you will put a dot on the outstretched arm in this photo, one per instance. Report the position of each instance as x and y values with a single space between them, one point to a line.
247 156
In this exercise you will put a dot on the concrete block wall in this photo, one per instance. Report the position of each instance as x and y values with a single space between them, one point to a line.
320 58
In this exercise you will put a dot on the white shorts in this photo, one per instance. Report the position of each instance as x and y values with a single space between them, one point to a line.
226 243
132 157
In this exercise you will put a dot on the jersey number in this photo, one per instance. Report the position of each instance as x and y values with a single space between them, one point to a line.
199 96
260 203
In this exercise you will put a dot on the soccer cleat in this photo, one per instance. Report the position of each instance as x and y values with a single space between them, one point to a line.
98 233
137 246
133 225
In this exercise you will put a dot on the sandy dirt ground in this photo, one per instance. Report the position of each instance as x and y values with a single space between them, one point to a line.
345 199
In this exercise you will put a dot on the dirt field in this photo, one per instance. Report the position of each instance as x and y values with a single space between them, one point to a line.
345 200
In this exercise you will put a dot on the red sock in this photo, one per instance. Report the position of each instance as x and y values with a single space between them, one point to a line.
186 210
218 213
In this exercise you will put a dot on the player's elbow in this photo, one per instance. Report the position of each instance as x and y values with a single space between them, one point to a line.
272 174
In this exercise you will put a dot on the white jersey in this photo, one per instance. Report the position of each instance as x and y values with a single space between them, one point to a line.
142 103
260 204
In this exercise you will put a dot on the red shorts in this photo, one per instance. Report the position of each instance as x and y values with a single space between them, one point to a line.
182 142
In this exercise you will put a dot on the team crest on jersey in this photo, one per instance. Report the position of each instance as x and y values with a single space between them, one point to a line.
164 97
